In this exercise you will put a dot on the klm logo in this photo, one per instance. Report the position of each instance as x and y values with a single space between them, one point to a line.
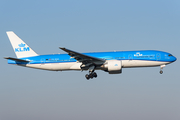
22 48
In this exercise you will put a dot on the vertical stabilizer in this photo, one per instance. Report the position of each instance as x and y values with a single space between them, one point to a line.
20 47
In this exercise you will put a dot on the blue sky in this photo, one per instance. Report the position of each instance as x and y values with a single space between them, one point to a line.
86 26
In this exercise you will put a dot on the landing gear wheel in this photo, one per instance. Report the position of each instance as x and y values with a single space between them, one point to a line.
91 76
87 76
161 72
94 75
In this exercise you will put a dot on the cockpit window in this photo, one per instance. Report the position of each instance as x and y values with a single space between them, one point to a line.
169 55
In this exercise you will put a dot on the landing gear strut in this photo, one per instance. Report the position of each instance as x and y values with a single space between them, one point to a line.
161 69
91 74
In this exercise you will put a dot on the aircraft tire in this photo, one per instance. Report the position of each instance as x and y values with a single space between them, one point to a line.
87 76
91 76
94 74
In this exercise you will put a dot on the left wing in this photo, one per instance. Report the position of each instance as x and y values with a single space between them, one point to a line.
85 59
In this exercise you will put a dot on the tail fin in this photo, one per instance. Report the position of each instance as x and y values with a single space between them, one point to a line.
20 47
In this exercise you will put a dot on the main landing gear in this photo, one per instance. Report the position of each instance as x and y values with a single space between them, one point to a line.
161 69
91 74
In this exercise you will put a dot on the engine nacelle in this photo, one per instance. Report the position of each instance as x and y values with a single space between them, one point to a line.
114 66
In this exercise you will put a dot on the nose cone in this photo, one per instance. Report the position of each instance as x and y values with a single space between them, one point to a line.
174 59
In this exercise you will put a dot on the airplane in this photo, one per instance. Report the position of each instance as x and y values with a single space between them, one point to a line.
111 62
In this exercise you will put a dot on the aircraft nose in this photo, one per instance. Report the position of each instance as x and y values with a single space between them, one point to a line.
175 58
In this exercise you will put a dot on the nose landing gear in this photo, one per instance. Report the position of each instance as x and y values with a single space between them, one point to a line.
161 69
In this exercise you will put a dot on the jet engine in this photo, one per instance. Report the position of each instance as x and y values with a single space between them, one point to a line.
113 66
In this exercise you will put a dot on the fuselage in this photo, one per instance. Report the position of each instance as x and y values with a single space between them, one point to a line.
61 62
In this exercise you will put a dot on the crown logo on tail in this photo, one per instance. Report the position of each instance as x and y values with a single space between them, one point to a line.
22 45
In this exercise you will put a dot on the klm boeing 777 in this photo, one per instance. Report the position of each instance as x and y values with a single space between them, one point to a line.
111 62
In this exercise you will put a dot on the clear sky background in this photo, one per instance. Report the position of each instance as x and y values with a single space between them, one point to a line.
87 26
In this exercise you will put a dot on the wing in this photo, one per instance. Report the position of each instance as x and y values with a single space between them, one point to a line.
85 59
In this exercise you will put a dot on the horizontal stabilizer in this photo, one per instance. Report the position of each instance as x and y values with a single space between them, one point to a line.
15 59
